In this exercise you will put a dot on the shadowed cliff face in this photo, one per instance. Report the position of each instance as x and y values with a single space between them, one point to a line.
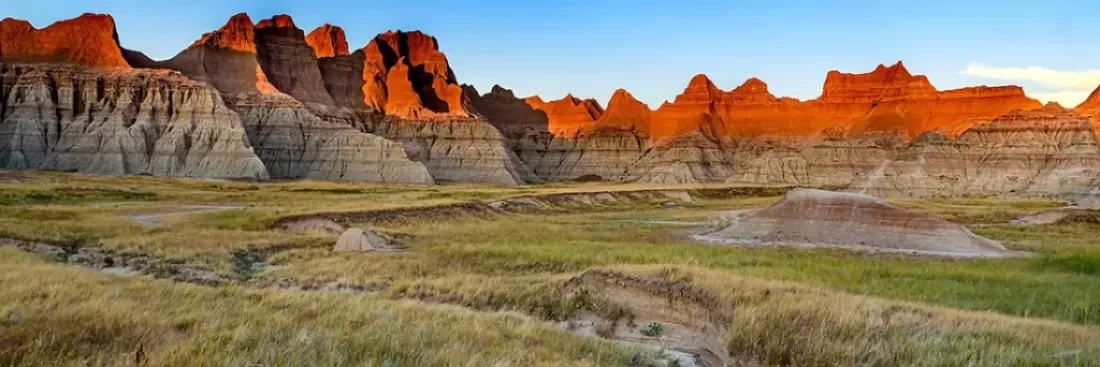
407 76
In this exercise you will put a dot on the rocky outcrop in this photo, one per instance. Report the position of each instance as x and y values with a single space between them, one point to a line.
88 40
120 123
406 76
816 218
341 71
328 41
1042 152
363 240
749 136
514 117
271 77
294 143
289 62
458 151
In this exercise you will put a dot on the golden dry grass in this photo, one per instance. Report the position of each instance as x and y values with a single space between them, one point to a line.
827 307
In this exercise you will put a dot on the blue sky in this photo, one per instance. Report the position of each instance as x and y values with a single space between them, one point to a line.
652 48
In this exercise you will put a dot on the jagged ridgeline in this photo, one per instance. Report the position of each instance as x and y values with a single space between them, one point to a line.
267 100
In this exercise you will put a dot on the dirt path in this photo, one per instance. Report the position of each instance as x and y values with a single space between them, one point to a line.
152 220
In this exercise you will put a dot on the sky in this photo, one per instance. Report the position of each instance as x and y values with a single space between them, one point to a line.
653 48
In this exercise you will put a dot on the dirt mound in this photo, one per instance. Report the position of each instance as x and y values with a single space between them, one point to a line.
836 219
364 240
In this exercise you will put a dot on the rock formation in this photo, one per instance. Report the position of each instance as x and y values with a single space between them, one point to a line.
120 123
328 41
272 78
308 105
819 218
363 240
88 40
1039 152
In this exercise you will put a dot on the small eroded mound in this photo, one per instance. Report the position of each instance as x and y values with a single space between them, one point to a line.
817 218
364 240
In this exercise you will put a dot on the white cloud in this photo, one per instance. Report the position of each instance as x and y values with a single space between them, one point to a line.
1071 80
1066 98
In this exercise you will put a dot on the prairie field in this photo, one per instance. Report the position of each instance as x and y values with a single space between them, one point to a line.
194 272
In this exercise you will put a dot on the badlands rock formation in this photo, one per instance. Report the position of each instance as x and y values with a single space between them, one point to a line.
88 40
71 102
809 217
266 99
1041 152
748 136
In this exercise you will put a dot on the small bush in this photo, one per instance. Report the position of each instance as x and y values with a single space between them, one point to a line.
653 330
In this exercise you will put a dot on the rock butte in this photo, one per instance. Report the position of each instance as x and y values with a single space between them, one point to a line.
393 111
829 218
88 40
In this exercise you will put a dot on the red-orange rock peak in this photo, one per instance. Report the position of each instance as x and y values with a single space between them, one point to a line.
278 21
426 69
891 82
280 25
567 116
328 41
699 90
752 91
88 40
237 34
624 113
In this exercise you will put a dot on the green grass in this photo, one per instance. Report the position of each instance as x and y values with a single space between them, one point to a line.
517 264
56 315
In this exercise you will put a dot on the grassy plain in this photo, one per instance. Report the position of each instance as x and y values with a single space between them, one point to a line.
493 283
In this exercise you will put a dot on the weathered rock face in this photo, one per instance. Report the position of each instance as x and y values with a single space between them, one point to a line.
89 40
458 151
624 113
855 221
328 41
514 117
120 123
226 59
303 133
341 71
1041 152
749 136
568 116
888 99
294 143
406 76
289 62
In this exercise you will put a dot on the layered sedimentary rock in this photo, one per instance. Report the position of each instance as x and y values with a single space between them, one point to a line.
888 99
1038 152
407 76
119 123
271 77
393 111
514 117
458 151
88 40
749 136
341 71
568 116
847 220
